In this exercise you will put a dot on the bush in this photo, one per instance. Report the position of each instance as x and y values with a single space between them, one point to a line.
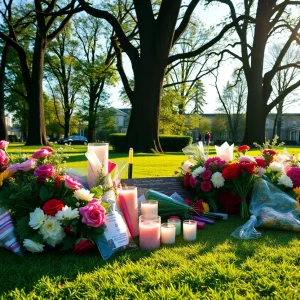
170 143
13 138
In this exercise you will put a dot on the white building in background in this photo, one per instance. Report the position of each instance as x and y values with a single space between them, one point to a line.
12 128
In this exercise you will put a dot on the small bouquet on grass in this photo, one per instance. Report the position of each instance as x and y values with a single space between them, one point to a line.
50 208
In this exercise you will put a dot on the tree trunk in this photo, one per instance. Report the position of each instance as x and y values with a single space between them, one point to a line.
3 128
67 124
36 122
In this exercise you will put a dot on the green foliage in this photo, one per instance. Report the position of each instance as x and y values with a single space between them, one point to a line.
274 144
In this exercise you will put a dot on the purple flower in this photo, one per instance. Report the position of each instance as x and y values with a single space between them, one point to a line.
42 153
206 174
44 171
27 165
3 158
3 144
14 167
294 174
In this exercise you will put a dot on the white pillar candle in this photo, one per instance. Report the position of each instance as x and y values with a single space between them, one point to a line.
129 195
149 232
177 223
167 233
149 207
189 230
98 162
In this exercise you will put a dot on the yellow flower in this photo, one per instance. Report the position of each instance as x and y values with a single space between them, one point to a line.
4 175
205 206
297 190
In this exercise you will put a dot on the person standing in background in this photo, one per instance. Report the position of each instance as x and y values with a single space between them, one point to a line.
207 138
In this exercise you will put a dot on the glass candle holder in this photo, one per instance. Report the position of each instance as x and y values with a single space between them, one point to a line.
149 232
189 230
167 233
149 207
177 223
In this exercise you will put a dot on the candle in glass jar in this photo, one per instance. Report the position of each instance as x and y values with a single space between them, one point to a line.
149 232
167 233
149 207
189 230
177 223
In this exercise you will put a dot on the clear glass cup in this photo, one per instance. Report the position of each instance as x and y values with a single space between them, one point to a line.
177 223
167 233
149 207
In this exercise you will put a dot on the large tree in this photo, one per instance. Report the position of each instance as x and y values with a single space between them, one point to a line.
32 66
160 24
268 20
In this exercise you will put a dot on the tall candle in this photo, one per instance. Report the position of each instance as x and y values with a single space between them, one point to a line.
177 223
149 232
130 198
189 230
98 161
167 233
149 207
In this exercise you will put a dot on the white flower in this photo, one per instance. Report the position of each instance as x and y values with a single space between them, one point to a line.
37 218
50 228
83 194
53 240
261 171
33 246
217 179
285 180
276 167
67 213
198 171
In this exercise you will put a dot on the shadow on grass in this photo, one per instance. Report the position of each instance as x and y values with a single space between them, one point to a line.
24 273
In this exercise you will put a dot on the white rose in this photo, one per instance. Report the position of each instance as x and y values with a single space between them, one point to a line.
217 179
33 246
67 213
83 194
37 218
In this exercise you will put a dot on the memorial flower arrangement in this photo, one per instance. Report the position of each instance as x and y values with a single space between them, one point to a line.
50 208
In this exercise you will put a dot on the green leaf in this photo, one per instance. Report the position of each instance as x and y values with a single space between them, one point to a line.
68 243
23 230
45 194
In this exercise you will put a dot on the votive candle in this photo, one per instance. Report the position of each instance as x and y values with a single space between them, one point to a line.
177 223
149 232
189 230
149 207
167 233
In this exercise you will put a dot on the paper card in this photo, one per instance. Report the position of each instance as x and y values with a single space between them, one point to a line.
177 197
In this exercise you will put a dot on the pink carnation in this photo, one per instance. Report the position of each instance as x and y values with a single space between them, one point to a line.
72 183
44 171
294 174
193 182
3 144
3 158
27 165
93 214
206 185
42 153
206 174
214 163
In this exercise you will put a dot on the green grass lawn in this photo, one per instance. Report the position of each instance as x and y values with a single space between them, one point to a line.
216 266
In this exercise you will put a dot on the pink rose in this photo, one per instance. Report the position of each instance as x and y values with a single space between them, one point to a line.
3 158
49 149
44 171
206 185
27 165
42 153
93 214
3 144
72 183
14 168
186 166
206 174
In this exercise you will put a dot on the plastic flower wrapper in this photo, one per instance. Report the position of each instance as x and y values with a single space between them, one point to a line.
225 151
195 152
272 208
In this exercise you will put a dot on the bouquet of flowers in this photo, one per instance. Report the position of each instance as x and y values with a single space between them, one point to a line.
49 207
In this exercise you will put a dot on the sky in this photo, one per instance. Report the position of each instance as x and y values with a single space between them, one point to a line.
218 12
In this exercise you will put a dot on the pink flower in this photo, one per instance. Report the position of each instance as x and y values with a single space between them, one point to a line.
72 183
206 185
214 163
93 214
14 167
3 158
186 166
193 182
44 171
42 153
247 159
49 149
294 174
3 144
27 165
206 174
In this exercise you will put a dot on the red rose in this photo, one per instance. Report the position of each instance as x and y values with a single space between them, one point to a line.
186 180
248 167
261 162
231 171
269 152
51 207
84 246
188 202
69 231
243 148
58 180
198 207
